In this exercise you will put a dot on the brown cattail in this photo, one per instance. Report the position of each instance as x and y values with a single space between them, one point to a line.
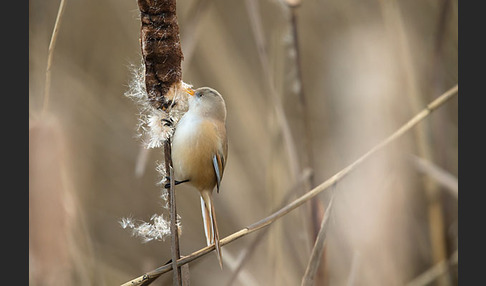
161 50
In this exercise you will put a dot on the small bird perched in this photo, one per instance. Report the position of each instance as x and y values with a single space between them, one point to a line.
199 152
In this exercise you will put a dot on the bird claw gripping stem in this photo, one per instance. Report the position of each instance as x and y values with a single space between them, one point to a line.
167 185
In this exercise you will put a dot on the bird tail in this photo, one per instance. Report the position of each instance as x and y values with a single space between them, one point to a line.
210 225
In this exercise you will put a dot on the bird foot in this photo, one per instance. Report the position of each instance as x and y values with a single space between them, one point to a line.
167 185
168 122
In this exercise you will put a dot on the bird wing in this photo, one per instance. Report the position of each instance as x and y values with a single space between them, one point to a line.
218 165
219 158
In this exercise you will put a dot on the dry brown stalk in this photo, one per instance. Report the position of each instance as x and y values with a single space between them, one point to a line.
435 271
52 45
316 206
307 196
444 178
303 106
174 245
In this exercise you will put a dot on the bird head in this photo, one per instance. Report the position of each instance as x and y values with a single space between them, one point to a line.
207 101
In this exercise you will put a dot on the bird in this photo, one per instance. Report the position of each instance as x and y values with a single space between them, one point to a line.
199 151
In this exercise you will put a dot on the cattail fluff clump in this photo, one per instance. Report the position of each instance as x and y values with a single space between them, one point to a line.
157 229
155 126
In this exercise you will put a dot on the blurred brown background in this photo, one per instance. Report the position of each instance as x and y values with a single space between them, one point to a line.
367 67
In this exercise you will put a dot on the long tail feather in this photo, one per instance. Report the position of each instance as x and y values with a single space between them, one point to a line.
210 224
206 215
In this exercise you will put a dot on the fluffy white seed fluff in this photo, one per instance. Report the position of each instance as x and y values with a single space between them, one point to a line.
158 228
153 131
152 127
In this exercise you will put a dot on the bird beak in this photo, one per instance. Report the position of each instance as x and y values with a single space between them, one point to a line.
190 91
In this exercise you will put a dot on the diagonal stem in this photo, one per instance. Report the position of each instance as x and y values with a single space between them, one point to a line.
316 255
52 45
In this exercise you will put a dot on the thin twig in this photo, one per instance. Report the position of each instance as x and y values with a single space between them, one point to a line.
316 205
52 45
309 195
434 272
304 109
436 75
257 28
316 254
444 178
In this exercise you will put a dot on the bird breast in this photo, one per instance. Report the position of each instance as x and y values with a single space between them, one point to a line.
194 143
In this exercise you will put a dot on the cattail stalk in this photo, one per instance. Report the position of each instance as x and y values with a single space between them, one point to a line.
162 56
174 246
161 50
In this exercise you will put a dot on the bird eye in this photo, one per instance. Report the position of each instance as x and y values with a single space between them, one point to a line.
199 94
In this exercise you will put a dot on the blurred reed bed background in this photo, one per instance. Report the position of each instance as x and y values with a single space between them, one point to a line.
364 68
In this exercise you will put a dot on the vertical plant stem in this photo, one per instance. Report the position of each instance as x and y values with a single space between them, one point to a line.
174 234
52 45
256 25
276 101
307 154
436 76
316 209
